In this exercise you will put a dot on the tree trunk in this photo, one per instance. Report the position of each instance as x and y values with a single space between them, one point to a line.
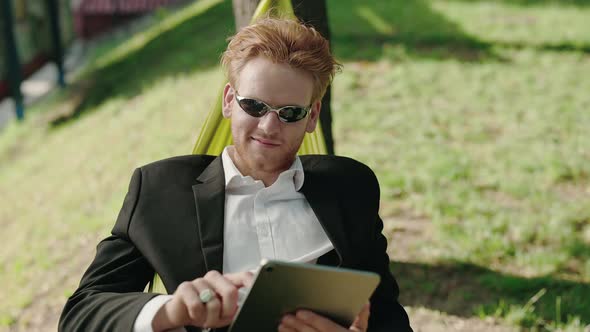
56 42
243 11
13 67
314 13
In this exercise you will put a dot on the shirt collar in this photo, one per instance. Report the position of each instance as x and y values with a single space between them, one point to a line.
295 172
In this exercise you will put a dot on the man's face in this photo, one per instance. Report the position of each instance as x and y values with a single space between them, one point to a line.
266 144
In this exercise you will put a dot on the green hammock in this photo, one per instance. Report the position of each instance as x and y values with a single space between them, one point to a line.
215 134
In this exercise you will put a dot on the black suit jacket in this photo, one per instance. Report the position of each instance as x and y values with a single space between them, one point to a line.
172 220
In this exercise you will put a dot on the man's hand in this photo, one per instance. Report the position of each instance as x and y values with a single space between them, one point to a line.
186 308
307 321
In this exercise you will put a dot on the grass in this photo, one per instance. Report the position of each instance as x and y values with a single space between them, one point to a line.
494 152
472 114
62 185
464 289
505 172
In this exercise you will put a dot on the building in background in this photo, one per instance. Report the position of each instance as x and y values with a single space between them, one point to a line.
32 34
84 19
93 17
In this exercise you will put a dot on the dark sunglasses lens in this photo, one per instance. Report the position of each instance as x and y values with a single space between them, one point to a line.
252 107
292 114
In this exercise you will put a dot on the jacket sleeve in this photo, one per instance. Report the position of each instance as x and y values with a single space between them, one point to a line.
110 294
387 314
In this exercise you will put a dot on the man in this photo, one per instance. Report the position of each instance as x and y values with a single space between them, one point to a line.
202 222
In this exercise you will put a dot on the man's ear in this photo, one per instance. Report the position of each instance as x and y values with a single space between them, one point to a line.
314 116
227 100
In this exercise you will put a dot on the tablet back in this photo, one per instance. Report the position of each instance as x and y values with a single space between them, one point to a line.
282 287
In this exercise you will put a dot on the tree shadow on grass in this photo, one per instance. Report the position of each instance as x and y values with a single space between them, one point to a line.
193 43
370 30
580 3
464 289
365 31
360 31
549 47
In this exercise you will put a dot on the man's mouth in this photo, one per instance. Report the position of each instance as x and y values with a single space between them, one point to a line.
266 142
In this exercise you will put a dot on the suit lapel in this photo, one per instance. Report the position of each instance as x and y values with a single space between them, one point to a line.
209 195
325 206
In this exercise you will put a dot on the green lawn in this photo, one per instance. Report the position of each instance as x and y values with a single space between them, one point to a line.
473 114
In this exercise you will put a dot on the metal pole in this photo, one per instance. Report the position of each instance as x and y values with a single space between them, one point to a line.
55 30
13 67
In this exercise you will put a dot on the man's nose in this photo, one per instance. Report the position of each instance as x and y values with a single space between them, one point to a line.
270 123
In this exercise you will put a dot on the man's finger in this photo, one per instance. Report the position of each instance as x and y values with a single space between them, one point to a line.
317 322
227 292
241 279
212 307
186 300
283 328
361 322
293 323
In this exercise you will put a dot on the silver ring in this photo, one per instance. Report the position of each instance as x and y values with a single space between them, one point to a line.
206 295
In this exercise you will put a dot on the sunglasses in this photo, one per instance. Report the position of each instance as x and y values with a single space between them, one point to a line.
257 109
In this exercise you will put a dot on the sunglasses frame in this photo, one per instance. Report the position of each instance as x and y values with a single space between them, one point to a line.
267 108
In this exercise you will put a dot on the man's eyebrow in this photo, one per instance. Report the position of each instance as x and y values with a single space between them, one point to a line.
278 106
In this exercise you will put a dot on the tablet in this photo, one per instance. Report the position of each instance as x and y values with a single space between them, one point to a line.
283 287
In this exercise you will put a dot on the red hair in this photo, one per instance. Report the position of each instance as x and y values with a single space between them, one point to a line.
282 41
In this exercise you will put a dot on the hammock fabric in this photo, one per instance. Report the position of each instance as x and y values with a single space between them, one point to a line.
215 134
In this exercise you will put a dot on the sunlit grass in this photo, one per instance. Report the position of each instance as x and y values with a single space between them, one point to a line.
62 185
496 153
70 182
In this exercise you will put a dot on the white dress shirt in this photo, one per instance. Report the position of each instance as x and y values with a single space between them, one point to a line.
274 222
